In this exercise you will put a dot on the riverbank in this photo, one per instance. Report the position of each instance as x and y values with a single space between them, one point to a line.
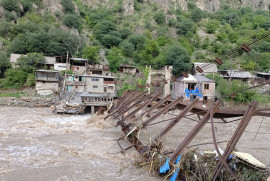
25 98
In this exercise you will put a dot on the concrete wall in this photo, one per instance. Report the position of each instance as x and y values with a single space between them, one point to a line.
98 85
46 88
61 66
210 93
78 69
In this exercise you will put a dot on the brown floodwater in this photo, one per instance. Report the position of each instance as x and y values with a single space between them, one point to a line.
37 144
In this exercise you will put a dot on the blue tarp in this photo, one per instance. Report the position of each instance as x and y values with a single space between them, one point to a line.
174 176
164 168
195 92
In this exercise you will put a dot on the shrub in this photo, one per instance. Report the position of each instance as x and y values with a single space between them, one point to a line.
72 21
14 78
91 53
68 6
160 17
30 81
30 62
4 63
115 58
11 5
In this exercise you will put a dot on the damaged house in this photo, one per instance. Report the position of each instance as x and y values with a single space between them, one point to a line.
194 86
47 82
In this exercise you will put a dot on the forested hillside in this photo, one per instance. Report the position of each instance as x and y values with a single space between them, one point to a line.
136 32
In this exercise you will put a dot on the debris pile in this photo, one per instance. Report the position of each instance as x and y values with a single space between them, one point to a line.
136 111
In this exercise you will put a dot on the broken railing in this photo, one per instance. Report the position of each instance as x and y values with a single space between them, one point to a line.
136 110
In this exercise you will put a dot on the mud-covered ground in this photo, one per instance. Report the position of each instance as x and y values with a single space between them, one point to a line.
36 144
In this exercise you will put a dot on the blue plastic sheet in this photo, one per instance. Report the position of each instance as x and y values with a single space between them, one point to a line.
174 175
164 168
195 92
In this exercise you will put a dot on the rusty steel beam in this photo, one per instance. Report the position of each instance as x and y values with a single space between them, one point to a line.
174 122
236 136
167 108
137 103
194 132
162 101
143 106
218 61
246 48
120 100
127 103
221 158
128 99
199 69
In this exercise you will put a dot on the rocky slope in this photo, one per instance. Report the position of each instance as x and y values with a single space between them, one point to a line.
207 5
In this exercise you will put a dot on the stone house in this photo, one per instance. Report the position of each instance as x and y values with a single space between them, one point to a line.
244 76
125 68
194 86
96 84
47 81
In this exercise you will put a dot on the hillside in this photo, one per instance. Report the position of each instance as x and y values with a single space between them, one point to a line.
139 32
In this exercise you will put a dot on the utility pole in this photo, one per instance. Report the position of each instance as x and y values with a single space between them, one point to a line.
64 85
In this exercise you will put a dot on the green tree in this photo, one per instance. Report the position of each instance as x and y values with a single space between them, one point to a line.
72 21
127 48
186 27
179 58
11 5
27 5
14 78
150 52
30 62
196 14
212 26
91 53
4 63
160 17
115 58
68 6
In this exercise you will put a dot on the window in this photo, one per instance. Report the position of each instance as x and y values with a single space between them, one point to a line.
95 86
95 79
206 86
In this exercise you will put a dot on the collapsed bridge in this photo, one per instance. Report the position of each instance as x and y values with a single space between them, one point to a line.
137 110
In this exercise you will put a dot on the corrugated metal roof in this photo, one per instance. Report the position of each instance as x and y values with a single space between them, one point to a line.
239 74
194 78
201 78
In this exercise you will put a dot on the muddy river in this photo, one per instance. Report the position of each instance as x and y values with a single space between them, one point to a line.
39 145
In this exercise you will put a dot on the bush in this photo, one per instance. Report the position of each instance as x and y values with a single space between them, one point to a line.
4 63
4 28
212 26
160 17
115 58
91 53
127 48
27 5
11 5
31 80
14 78
68 6
72 21
30 62
179 58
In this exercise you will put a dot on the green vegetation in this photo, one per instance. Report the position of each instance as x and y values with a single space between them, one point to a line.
150 36
11 94
226 89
